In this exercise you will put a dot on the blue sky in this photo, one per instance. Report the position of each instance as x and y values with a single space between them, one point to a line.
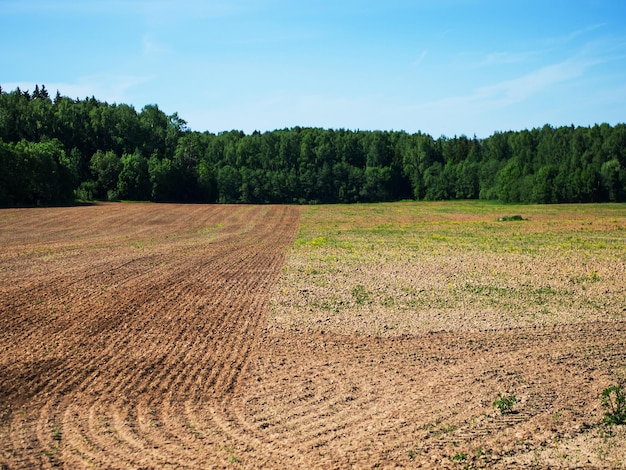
445 67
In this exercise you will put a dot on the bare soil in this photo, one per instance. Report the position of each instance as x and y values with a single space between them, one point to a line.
142 336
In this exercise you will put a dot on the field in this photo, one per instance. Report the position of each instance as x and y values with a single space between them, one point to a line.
172 336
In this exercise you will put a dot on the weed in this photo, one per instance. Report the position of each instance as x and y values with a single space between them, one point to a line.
211 228
360 294
459 457
505 404
57 434
614 402
448 428
318 241
310 271
232 458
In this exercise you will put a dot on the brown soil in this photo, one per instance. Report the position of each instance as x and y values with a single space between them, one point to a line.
138 336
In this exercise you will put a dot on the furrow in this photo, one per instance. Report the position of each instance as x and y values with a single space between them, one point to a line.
130 386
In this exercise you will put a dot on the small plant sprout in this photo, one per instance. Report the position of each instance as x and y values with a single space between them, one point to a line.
459 457
614 402
360 294
505 404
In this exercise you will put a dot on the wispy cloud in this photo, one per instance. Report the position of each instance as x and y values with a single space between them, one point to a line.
486 107
420 59
508 92
567 38
114 89
519 89
505 58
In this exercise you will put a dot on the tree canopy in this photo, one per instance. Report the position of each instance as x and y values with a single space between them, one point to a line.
56 150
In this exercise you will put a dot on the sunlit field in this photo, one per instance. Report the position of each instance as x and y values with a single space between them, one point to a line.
459 306
402 268
411 334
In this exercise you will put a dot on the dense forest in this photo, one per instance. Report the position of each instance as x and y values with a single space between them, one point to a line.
58 150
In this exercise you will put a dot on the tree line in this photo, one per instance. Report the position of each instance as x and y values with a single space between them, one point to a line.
58 150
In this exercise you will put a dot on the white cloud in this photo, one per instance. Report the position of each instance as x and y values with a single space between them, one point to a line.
113 89
513 91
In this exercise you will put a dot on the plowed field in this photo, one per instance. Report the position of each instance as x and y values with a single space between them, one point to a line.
167 336
125 331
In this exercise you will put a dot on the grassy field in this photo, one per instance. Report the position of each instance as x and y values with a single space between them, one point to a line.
408 267
531 300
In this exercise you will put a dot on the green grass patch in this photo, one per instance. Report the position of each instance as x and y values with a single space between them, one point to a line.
425 266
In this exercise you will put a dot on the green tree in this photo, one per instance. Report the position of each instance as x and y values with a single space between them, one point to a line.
509 181
162 179
154 125
207 182
106 168
228 184
544 190
434 182
614 179
376 184
133 181
35 173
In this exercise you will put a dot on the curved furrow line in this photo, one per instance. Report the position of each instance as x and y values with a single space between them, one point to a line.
21 447
222 415
389 414
169 358
300 428
306 414
319 421
191 416
48 425
106 443
87 440
114 436
234 329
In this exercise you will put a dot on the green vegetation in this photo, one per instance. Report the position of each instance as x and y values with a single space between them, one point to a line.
505 403
459 457
57 433
55 150
360 294
406 267
614 402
